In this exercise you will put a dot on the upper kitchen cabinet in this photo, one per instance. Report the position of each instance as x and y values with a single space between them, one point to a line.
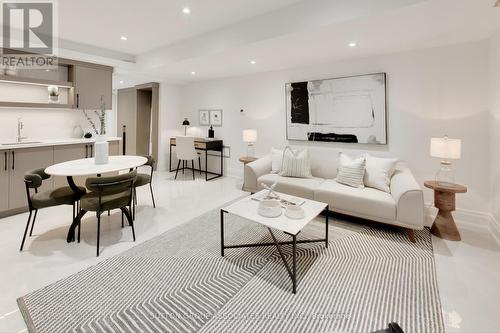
69 85
91 82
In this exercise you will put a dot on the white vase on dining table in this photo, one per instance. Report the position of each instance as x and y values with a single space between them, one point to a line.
101 148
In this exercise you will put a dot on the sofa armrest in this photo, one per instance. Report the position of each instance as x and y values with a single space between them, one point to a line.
409 198
254 170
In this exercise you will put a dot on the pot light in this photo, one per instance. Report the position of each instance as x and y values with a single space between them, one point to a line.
253 62
352 44
193 73
123 38
186 10
121 82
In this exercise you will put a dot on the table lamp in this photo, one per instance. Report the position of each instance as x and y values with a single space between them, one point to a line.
446 149
250 137
185 123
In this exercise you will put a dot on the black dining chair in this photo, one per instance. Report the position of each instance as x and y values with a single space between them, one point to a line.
108 193
60 196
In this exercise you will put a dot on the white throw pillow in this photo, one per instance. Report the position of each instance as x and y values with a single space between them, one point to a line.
379 172
296 163
277 160
351 171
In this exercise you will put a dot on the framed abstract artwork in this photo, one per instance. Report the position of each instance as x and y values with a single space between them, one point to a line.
347 109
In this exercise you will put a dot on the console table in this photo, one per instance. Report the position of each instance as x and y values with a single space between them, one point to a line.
204 145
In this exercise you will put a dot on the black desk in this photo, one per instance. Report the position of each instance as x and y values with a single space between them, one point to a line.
204 145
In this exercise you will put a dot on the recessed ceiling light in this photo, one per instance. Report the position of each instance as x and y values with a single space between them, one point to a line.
352 44
253 62
47 70
123 38
121 82
186 10
193 73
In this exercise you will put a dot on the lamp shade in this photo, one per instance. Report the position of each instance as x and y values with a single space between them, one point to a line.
446 148
185 122
249 135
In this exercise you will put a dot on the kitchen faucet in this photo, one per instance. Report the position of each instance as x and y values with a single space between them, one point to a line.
20 126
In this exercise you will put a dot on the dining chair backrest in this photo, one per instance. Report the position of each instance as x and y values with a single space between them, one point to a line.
185 148
113 184
34 178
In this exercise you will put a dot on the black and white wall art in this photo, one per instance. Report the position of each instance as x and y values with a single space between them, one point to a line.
349 109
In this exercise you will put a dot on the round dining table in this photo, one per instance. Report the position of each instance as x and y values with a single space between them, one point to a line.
87 167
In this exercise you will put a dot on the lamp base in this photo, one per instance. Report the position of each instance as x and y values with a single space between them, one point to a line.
445 175
250 150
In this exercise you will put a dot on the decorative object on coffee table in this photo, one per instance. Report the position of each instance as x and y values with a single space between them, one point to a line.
447 149
444 199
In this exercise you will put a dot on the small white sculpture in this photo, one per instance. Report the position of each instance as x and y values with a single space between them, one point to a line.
271 194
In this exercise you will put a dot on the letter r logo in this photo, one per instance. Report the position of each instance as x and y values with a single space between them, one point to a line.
28 27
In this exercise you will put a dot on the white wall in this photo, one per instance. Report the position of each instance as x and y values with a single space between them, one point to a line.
171 116
431 92
495 124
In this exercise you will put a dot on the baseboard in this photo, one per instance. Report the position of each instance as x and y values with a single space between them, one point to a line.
469 219
495 229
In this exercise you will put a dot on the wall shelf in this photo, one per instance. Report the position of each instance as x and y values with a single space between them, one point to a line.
35 105
33 81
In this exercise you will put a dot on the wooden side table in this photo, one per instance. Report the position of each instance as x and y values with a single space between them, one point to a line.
444 200
245 160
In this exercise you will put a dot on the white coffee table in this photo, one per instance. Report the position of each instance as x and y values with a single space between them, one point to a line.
247 209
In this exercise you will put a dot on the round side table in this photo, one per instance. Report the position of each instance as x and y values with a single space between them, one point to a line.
444 200
245 160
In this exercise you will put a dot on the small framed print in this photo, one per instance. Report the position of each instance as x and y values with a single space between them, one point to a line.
216 117
204 117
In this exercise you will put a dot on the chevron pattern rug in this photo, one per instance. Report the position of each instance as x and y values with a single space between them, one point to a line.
177 282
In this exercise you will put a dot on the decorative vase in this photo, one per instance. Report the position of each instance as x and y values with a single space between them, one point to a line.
101 148
78 132
53 99
211 132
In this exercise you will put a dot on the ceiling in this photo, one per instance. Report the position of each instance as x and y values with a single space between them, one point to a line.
220 37
152 23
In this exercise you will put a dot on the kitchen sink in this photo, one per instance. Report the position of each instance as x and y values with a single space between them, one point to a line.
20 143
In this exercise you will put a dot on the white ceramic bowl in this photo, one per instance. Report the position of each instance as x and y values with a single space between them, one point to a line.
295 212
269 208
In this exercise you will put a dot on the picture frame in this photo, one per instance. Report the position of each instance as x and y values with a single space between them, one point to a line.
349 109
204 117
216 117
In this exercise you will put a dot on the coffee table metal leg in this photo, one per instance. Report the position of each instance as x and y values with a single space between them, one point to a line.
326 229
291 272
222 232
294 264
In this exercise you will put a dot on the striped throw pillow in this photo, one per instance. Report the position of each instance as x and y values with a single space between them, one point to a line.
351 171
296 163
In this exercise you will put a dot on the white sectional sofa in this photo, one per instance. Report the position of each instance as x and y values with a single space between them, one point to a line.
403 207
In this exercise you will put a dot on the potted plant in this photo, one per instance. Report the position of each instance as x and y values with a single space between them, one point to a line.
101 144
53 94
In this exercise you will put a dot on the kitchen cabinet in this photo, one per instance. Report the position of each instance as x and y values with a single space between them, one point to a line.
114 148
90 83
68 153
4 180
22 161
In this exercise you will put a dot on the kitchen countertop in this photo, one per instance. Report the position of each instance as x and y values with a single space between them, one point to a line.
50 142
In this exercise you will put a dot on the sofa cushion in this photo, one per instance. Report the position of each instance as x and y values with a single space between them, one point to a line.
301 187
365 202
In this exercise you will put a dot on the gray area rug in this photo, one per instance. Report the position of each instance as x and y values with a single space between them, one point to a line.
178 282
